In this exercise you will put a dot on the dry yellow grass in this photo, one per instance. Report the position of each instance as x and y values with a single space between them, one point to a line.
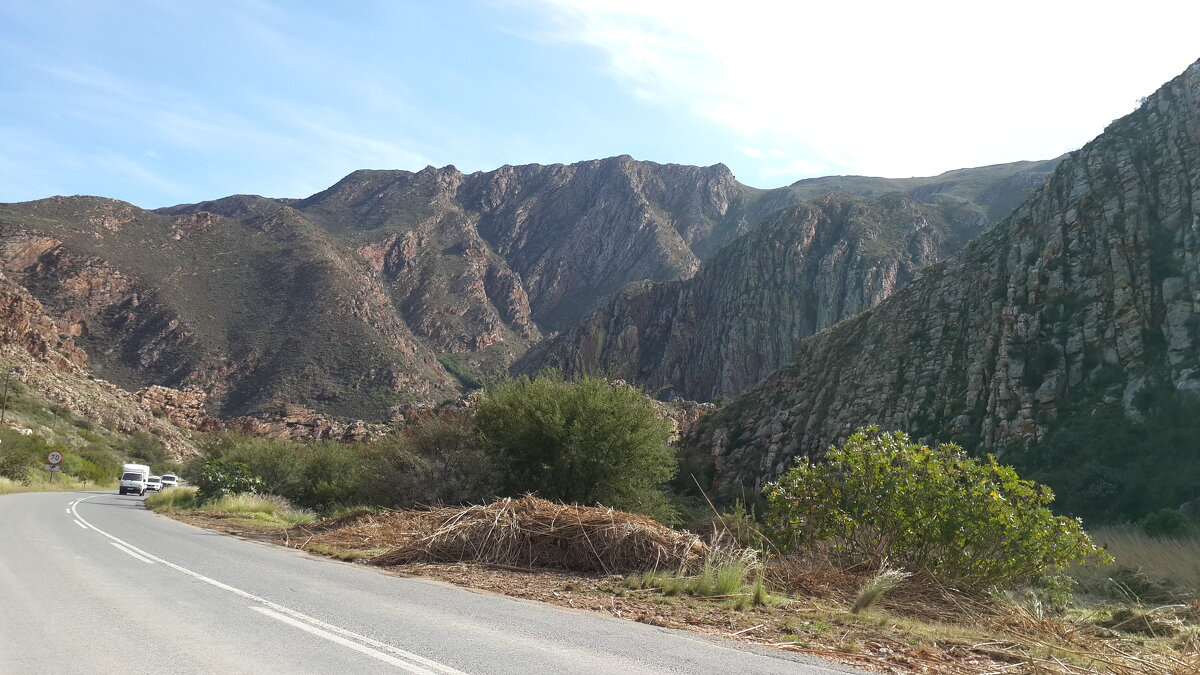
532 532
1146 569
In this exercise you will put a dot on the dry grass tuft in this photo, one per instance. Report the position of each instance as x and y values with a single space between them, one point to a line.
531 532
880 583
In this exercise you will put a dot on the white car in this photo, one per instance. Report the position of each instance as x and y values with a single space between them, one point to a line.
170 480
154 483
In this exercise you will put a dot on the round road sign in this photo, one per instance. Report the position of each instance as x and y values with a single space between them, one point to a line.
55 457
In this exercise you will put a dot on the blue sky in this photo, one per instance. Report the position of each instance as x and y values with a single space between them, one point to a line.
160 102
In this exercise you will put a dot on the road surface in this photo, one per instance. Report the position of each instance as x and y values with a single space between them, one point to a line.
95 583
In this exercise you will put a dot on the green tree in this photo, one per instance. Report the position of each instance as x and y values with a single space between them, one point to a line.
585 442
970 521
225 477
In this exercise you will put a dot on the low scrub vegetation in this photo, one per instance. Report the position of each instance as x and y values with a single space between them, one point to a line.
1109 469
269 507
174 499
968 522
584 442
91 452
40 482
733 579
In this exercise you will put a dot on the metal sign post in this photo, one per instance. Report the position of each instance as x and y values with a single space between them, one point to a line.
54 458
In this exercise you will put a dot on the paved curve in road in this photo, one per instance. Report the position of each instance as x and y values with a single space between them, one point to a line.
93 582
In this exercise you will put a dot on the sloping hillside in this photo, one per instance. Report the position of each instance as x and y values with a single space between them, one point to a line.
1085 302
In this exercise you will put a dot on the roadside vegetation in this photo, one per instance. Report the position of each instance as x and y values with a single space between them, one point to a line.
886 554
93 454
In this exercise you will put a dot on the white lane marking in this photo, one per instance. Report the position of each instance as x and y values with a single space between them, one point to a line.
68 509
122 549
414 663
373 653
81 524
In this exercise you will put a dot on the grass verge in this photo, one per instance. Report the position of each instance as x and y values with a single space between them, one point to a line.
916 626
60 484
265 508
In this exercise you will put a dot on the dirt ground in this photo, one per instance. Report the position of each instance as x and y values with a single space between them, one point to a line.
897 637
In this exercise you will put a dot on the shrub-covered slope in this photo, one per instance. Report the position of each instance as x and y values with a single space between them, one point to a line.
1085 302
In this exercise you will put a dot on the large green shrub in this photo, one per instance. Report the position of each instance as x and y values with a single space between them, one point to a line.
585 442
968 521
438 460
435 461
219 478
19 454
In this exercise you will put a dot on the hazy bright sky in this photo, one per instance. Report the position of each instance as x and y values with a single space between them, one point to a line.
160 102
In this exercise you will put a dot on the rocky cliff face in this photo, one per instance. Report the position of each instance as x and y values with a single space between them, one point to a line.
394 287
529 248
257 310
1087 297
38 351
388 288
801 270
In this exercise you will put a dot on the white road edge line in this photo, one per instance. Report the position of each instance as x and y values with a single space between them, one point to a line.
414 663
122 549
373 653
81 524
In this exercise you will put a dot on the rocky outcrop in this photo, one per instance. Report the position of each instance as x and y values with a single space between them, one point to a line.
39 352
394 287
530 248
801 270
1088 295
298 423
257 310
24 324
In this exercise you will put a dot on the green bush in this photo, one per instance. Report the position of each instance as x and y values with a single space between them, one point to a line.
1169 523
971 522
438 460
225 477
434 462
585 442
1107 468
19 454
147 449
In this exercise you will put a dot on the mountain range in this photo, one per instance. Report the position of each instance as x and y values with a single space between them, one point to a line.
393 287
1046 311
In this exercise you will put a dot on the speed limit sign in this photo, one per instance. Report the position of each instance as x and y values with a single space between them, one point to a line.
55 457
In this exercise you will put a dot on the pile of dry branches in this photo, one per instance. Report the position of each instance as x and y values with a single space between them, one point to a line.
531 532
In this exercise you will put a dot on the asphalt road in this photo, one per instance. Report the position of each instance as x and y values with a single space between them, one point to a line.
95 583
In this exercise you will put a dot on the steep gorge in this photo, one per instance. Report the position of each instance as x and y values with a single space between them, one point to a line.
1083 304
802 269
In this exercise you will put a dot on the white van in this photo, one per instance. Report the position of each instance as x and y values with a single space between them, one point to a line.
133 479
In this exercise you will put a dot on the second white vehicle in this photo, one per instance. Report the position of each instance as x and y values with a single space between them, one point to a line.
154 483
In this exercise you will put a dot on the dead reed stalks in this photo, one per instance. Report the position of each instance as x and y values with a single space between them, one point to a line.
534 533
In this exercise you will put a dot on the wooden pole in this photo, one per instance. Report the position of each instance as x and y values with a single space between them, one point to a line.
4 406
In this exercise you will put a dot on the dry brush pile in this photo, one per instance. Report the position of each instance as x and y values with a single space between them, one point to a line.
527 532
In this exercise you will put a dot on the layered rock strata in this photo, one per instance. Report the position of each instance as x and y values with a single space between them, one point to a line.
1089 292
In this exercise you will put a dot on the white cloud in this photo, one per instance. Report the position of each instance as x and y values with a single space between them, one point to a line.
891 88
